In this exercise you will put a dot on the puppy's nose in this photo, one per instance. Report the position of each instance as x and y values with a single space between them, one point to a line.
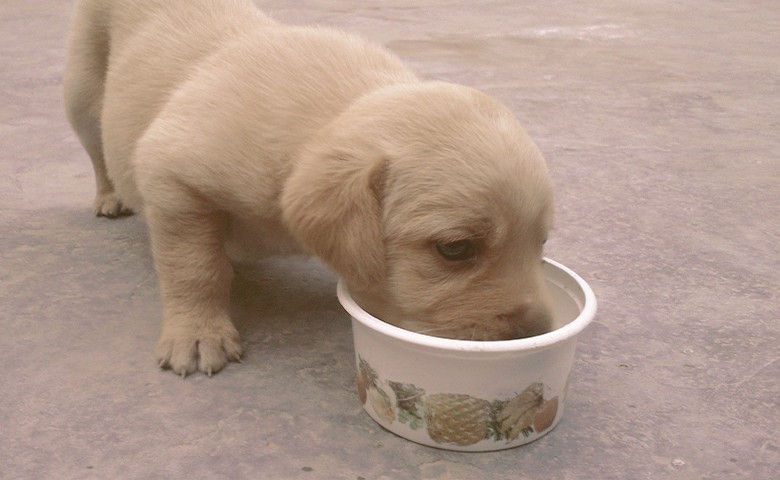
529 320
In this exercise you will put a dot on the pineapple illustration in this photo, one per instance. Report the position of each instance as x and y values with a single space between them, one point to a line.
456 418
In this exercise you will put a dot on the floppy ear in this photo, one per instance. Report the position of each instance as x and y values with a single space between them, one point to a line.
332 202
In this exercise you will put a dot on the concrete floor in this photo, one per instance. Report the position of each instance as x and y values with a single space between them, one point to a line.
660 121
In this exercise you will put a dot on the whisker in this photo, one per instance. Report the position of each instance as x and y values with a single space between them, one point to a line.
432 329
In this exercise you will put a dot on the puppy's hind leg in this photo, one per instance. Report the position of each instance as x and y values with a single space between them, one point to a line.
85 75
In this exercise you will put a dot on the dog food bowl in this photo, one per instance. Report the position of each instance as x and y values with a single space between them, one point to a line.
470 395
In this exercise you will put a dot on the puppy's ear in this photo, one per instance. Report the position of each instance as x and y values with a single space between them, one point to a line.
332 202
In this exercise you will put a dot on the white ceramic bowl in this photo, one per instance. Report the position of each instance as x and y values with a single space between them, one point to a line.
470 395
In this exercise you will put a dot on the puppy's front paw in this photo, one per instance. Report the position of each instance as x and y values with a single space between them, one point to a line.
208 347
110 205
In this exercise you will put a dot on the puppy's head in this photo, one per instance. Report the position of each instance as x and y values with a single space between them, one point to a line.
433 204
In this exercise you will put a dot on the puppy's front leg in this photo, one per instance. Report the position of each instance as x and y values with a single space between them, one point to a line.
195 275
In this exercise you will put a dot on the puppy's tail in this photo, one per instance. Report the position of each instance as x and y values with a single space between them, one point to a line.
85 71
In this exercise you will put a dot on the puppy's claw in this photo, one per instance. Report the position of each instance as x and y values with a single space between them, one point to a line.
109 205
206 351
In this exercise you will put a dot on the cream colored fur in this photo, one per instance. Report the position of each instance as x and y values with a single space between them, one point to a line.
240 137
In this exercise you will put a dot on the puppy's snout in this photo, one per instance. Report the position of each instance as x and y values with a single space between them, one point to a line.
529 320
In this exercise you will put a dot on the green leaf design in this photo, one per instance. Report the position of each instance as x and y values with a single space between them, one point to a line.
413 419
494 425
409 402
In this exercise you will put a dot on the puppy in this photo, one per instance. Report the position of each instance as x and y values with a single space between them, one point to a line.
240 137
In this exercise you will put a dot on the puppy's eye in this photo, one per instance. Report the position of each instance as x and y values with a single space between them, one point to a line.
457 251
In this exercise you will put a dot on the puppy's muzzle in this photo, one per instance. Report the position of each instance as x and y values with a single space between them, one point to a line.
528 321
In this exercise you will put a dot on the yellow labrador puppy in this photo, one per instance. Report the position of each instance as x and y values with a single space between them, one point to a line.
238 137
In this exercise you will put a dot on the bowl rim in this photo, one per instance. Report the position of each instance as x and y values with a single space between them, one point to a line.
559 335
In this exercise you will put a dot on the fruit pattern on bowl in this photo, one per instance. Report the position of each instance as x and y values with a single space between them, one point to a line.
453 418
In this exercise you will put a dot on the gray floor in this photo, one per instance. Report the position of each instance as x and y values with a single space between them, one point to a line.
660 121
